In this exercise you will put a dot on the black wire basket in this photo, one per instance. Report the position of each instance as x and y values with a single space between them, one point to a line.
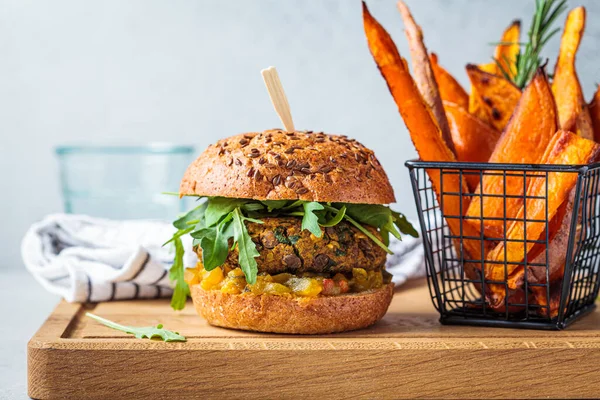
553 282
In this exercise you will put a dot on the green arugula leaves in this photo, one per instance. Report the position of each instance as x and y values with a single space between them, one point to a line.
310 220
218 226
336 219
181 290
218 207
383 218
214 243
149 332
224 220
402 223
196 216
246 247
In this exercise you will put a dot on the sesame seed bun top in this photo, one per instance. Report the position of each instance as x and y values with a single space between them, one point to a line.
278 165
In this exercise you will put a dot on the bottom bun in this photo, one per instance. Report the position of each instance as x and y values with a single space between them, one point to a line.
299 315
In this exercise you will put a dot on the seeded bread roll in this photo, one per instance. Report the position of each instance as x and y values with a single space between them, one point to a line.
278 165
311 316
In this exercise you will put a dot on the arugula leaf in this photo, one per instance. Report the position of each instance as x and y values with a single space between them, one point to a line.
215 243
378 216
251 207
256 221
403 224
336 219
368 234
370 214
246 247
389 227
149 332
181 290
383 218
294 204
179 234
310 220
192 217
274 204
385 237
218 207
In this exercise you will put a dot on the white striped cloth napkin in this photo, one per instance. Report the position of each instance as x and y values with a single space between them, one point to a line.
85 259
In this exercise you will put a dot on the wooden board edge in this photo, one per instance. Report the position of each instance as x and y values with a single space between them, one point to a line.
317 344
37 370
41 345
291 373
124 367
57 324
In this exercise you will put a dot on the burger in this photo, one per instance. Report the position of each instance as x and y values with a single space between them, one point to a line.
291 232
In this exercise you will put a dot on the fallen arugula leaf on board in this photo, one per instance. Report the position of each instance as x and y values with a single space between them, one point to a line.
149 332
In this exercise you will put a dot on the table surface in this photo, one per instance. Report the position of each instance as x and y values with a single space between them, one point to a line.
24 306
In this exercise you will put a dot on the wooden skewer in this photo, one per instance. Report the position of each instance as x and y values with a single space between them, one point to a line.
278 97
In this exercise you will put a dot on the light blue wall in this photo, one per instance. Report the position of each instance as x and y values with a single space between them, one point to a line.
133 71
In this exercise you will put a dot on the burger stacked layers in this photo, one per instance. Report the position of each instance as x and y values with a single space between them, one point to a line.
292 233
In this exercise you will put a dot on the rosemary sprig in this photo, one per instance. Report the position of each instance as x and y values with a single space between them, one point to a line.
529 60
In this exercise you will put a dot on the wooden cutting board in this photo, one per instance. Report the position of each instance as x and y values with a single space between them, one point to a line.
407 355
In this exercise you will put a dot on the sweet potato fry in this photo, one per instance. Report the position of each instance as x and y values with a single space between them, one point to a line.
424 131
421 124
583 124
477 106
507 56
498 95
565 85
594 108
556 256
555 228
564 148
474 140
540 298
450 90
506 52
523 141
490 68
424 77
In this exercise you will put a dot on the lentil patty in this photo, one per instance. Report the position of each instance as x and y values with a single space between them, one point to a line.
285 247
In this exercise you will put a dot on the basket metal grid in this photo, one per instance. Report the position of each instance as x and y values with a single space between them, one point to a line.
458 285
